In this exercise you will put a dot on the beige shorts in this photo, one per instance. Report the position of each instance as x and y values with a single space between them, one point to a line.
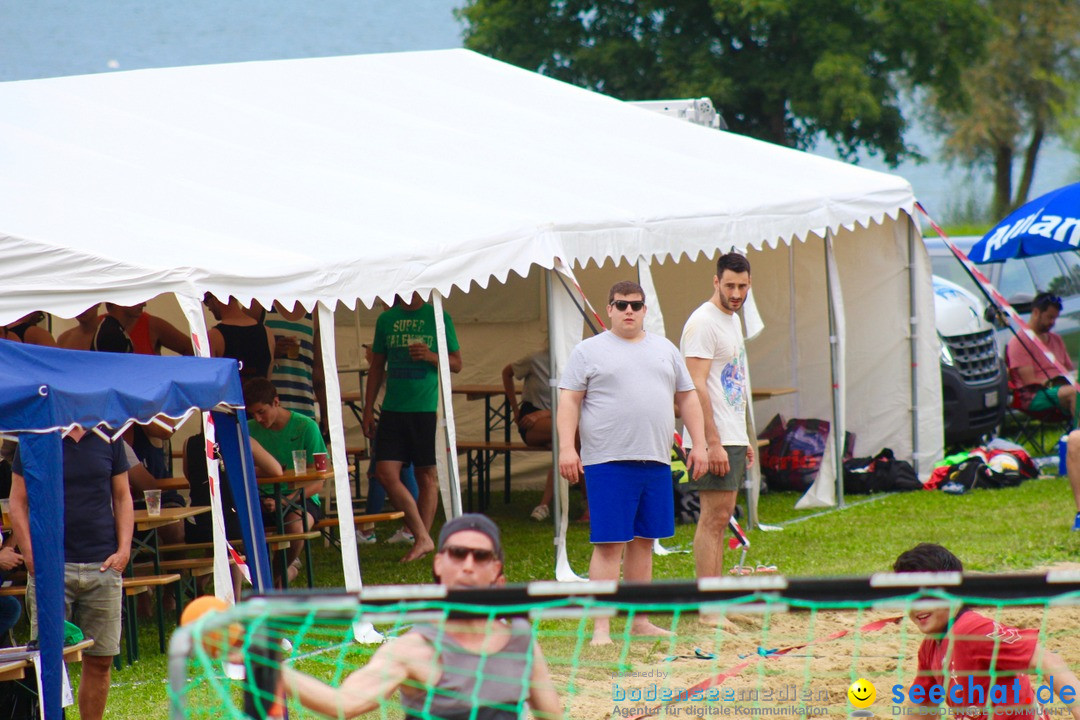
93 601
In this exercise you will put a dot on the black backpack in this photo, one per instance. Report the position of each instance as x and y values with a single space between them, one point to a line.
880 473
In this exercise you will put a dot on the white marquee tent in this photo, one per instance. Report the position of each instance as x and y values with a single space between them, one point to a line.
338 179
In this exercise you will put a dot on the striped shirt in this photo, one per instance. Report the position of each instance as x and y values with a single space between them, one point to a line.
293 377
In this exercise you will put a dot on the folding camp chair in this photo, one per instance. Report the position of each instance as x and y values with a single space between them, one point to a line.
1031 426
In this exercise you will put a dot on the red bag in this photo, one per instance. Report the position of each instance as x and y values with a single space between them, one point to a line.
793 456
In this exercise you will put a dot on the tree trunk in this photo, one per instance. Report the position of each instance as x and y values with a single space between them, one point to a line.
777 124
1031 154
1003 156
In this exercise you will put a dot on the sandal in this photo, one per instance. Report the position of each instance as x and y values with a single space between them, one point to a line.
767 569
741 570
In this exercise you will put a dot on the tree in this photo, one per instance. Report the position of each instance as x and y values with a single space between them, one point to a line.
1020 93
787 71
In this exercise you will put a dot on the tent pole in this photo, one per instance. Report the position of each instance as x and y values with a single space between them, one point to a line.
350 559
553 387
913 344
43 462
192 308
566 321
834 364
448 407
235 448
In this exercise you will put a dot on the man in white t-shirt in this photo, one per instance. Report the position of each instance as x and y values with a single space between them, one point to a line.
712 343
621 384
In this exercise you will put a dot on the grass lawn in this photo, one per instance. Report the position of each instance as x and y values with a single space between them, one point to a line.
991 530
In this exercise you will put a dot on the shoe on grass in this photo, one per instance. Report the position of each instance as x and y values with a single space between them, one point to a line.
366 538
401 536
540 513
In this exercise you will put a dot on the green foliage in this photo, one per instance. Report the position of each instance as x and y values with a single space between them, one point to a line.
968 209
787 71
961 230
1020 93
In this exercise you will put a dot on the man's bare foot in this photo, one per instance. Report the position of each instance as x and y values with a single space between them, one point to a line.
718 621
421 548
601 632
642 626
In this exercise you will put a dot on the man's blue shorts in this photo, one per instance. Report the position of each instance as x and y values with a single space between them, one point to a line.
629 499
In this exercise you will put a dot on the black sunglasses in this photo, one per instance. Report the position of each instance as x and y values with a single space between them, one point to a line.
635 305
459 553
1045 300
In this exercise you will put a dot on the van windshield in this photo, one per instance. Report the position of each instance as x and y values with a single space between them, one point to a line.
949 268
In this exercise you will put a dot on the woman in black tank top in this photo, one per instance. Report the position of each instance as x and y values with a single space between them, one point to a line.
247 343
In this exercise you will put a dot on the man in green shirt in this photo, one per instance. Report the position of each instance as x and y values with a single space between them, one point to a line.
405 353
280 431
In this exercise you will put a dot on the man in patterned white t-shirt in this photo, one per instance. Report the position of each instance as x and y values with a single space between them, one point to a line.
712 343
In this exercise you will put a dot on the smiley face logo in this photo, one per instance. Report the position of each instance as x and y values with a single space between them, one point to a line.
862 693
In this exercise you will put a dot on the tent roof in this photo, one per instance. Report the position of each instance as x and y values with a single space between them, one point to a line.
357 177
45 389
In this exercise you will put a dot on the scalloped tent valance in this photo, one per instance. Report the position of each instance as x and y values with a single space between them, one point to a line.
355 178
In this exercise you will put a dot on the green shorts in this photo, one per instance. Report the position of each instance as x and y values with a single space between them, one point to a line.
92 600
735 474
1045 399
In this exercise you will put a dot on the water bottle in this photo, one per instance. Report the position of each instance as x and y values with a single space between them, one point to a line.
1063 467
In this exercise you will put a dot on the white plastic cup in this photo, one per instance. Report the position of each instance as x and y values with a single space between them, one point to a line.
299 461
153 502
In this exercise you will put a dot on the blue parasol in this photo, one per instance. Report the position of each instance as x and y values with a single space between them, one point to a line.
1047 224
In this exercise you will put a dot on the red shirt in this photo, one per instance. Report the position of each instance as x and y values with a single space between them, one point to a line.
1023 353
140 336
973 639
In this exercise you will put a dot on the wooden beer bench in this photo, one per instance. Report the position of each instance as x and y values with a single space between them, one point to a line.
327 524
13 660
13 591
130 623
479 454
273 542
356 454
137 586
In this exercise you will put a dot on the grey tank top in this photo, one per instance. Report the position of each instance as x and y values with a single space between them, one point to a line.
471 684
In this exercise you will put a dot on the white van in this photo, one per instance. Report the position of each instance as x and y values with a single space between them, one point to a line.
974 382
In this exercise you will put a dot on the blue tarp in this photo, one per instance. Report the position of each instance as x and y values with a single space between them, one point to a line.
45 390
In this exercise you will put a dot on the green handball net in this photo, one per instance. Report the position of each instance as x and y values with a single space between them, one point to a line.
738 647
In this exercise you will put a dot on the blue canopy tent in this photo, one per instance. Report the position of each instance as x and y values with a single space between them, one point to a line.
45 391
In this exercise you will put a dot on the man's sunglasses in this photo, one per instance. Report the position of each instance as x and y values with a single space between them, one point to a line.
459 553
1045 300
635 305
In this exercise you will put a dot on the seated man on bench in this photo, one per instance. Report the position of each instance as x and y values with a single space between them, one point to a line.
533 416
1035 381
281 431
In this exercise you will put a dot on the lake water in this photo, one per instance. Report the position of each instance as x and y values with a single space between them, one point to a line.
47 38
